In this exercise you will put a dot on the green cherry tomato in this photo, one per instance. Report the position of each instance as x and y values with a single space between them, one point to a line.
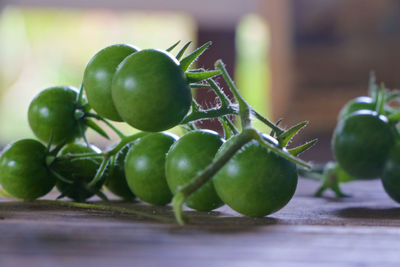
51 114
98 77
116 180
150 91
79 171
145 168
255 181
391 173
191 154
23 170
361 143
359 103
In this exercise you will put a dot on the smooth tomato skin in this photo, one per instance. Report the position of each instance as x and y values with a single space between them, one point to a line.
145 168
358 103
191 154
23 170
116 179
51 112
80 171
150 91
255 181
361 143
98 77
391 173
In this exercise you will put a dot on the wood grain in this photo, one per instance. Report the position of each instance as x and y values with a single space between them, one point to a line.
359 231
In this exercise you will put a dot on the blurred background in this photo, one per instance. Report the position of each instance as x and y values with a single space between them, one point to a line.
292 59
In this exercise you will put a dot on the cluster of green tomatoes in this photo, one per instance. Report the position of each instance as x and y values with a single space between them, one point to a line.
151 90
366 142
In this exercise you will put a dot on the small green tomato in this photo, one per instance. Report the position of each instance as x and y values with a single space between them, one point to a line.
191 154
51 115
79 171
150 91
255 181
145 168
23 170
98 77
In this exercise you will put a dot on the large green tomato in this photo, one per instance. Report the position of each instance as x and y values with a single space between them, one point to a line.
145 168
79 171
191 154
98 77
150 91
23 170
361 143
51 114
255 181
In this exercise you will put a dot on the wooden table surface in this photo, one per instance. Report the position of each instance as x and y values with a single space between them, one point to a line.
359 231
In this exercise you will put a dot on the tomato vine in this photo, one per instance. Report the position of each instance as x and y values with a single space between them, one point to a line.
150 90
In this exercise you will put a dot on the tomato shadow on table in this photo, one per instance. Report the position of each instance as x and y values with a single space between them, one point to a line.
369 213
220 222
215 221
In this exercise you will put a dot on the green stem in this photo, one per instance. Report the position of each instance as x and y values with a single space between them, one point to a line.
82 133
281 153
80 156
199 85
191 126
233 128
205 175
267 122
244 108
111 209
225 102
225 127
195 106
209 113
80 94
124 141
60 177
114 150
99 173
380 105
109 124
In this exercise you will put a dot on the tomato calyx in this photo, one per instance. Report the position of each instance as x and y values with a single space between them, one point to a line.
331 176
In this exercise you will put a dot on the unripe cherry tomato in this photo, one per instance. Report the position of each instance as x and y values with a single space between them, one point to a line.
23 170
79 171
191 154
361 143
116 178
391 173
98 77
255 181
145 168
51 114
150 91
